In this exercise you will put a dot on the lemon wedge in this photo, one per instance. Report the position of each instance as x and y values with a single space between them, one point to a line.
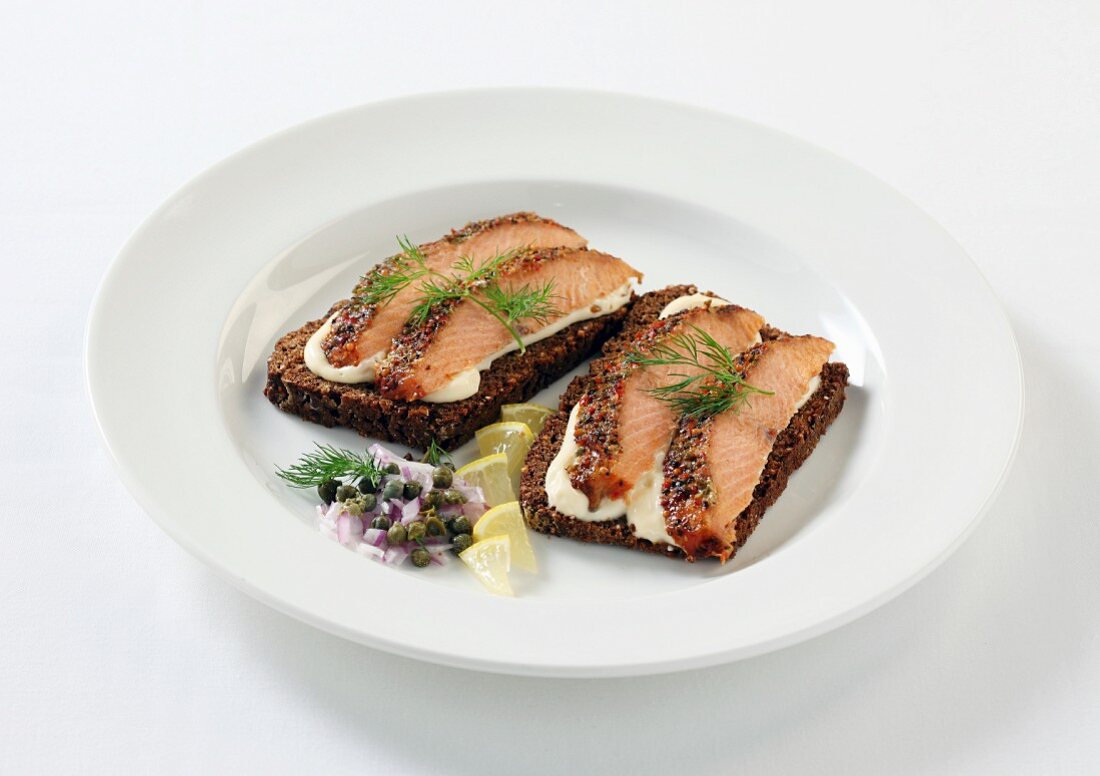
492 475
490 560
511 438
533 415
507 520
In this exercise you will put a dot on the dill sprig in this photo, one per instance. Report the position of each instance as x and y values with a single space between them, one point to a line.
479 283
467 279
436 455
331 463
379 287
717 386
525 302
486 270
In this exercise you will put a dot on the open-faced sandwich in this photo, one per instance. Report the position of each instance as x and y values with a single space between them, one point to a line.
434 340
685 430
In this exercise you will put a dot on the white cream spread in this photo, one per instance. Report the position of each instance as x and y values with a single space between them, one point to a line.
559 489
811 389
318 363
466 383
690 302
644 511
642 504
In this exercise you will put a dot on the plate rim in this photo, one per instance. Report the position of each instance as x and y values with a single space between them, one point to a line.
149 503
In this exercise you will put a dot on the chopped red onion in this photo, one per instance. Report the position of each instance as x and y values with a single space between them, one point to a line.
409 469
410 511
470 492
473 510
371 552
439 558
395 555
347 527
374 537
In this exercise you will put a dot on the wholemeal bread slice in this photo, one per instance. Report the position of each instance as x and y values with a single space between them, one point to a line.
792 446
293 388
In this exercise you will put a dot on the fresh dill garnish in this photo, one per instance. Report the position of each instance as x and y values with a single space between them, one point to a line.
467 279
436 455
380 286
486 270
479 283
330 463
717 386
524 302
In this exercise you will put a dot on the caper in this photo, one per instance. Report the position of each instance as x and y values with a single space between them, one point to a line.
412 490
462 542
397 534
416 530
367 485
346 493
382 522
452 496
354 507
433 499
393 489
421 557
434 526
370 501
442 477
327 490
460 525
392 468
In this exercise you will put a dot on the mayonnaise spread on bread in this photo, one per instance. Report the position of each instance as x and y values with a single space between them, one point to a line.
811 389
641 506
560 491
466 383
690 302
318 363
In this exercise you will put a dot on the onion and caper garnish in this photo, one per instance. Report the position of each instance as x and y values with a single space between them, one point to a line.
388 508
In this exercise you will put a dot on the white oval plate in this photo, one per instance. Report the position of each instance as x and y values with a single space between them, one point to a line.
188 313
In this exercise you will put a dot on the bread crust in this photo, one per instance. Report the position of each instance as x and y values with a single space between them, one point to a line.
512 378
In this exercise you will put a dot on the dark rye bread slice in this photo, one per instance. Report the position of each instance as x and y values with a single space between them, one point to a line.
512 378
792 446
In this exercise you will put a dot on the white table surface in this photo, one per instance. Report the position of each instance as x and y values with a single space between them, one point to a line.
122 653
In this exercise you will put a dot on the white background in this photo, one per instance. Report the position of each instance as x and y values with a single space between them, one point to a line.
119 652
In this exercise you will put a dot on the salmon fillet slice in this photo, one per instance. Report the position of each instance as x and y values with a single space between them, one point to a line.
714 463
459 334
360 331
621 425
